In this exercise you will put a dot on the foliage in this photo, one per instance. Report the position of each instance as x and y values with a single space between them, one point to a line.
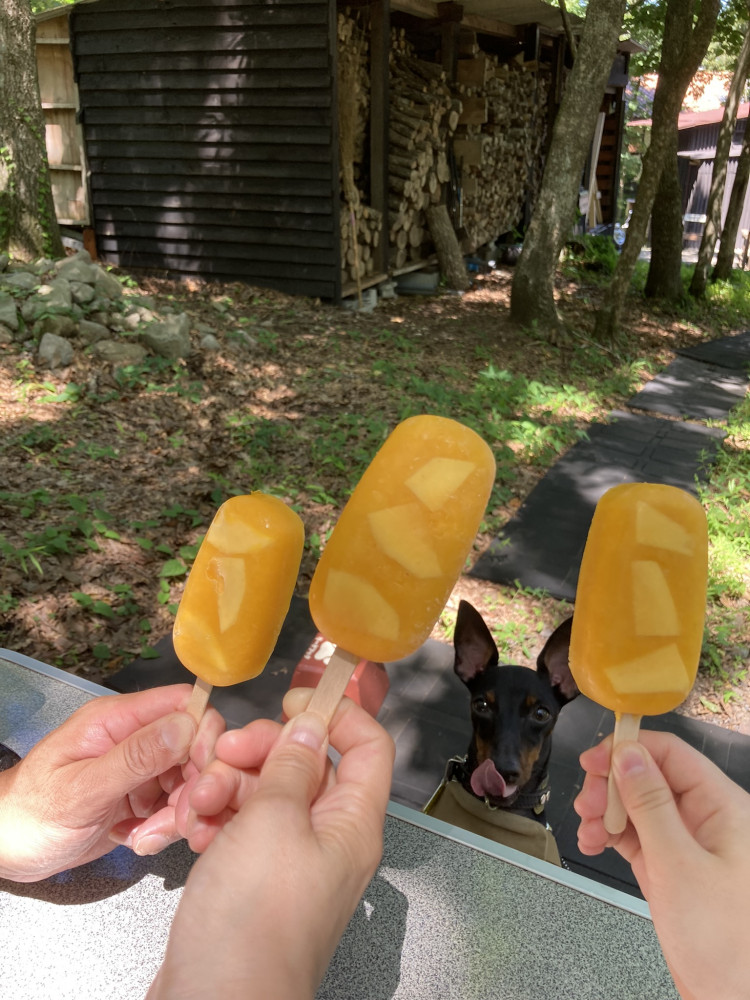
597 254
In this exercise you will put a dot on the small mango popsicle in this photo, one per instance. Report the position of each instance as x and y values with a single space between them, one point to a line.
399 546
640 607
238 593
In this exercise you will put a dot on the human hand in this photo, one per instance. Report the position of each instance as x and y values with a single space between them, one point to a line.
111 773
686 843
265 906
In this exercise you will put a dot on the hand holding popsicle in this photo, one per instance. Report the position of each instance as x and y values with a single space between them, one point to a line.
399 547
640 606
238 593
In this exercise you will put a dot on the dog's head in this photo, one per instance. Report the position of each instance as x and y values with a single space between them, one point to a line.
513 708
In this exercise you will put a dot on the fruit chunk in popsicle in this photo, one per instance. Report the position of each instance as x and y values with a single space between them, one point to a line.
641 602
239 590
402 540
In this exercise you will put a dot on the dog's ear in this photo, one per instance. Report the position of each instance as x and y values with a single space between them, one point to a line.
475 648
553 663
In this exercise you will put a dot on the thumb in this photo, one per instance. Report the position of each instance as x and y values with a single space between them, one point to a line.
144 754
649 802
296 764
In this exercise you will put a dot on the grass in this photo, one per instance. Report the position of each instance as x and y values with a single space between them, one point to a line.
726 499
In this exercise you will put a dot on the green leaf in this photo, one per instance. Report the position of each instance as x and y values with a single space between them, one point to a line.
173 567
710 705
149 653
101 651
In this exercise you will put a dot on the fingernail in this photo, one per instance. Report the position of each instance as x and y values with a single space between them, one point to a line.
153 843
178 732
123 839
629 759
309 730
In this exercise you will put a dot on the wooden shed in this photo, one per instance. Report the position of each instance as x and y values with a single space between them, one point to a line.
213 138
698 133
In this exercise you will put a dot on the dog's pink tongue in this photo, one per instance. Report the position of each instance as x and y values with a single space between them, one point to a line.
487 780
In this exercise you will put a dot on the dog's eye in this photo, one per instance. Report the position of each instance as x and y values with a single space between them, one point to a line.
540 714
480 704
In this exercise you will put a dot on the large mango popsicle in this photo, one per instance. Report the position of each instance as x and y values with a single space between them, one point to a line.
640 606
399 546
238 593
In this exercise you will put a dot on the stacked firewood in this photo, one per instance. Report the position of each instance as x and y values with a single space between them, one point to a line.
423 114
361 225
361 228
497 144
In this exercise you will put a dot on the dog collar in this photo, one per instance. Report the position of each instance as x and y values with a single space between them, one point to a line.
455 770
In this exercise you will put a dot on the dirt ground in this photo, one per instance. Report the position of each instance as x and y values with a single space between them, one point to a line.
143 463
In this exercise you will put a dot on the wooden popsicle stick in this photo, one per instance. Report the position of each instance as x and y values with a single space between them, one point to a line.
615 817
332 684
199 699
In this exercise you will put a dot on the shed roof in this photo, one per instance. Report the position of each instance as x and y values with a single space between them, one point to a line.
692 119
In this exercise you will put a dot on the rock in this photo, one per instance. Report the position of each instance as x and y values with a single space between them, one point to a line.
210 343
144 301
24 280
91 333
131 320
43 265
107 285
170 339
4 261
55 295
6 335
82 293
119 352
78 269
8 312
58 324
54 351
203 328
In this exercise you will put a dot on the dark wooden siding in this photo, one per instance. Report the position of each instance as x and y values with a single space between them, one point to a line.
695 176
210 133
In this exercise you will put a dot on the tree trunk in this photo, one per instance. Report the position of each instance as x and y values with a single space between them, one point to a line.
28 227
533 293
725 258
448 251
665 270
719 175
683 48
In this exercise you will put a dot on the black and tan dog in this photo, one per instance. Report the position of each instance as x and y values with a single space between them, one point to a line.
501 787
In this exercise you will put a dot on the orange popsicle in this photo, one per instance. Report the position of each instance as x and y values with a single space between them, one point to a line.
400 545
640 606
238 592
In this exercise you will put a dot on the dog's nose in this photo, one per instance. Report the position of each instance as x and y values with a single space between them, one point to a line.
511 776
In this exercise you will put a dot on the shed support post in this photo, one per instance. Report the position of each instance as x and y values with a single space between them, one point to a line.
379 73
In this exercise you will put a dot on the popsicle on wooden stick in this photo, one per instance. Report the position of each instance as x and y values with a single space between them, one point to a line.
640 607
238 593
399 547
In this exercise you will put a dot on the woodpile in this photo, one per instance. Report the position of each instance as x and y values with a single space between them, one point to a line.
423 115
498 144
361 225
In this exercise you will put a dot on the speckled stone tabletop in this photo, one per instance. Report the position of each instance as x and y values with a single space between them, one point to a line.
447 915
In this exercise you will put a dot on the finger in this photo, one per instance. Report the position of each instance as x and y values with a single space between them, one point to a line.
116 717
147 836
591 801
151 794
221 786
142 755
210 728
248 747
596 760
367 754
296 701
295 765
651 807
202 830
